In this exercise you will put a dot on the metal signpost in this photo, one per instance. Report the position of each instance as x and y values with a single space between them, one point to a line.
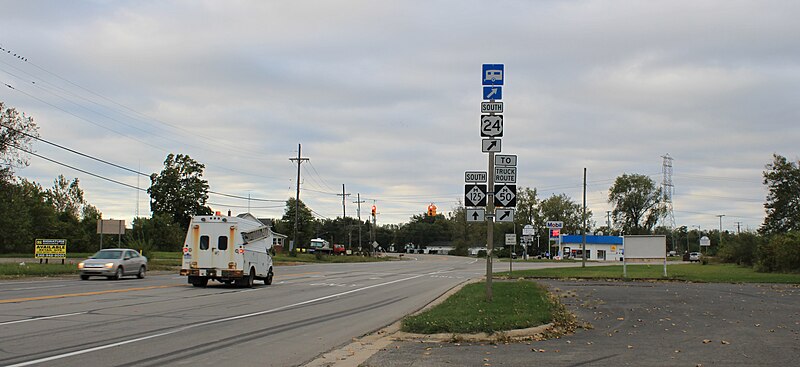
478 195
527 236
511 240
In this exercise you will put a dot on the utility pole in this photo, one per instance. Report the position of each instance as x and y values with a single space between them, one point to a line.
738 227
583 228
608 221
373 231
720 228
343 195
299 160
359 201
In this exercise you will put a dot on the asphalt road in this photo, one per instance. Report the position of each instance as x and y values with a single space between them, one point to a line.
642 324
161 320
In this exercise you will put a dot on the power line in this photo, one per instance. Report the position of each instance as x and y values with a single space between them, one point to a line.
77 169
141 116
122 167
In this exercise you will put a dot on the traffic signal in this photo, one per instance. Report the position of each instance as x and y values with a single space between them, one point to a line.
374 209
431 210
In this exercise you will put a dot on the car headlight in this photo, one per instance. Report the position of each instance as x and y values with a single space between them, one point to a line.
80 265
109 265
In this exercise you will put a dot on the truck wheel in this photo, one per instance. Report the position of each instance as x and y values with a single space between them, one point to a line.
247 281
200 282
268 279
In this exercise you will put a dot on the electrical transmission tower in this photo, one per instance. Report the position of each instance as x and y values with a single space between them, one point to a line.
668 188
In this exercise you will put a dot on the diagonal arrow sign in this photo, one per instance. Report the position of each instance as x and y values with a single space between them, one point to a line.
492 145
505 215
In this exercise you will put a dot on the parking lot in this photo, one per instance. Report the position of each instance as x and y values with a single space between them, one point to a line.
642 324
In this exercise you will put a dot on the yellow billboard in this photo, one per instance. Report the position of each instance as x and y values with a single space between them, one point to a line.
50 249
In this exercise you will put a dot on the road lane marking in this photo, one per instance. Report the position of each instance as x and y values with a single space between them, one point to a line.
205 323
54 296
42 318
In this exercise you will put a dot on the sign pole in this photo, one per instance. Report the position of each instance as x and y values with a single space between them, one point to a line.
489 227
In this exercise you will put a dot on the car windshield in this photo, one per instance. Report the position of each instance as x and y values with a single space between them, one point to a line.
111 254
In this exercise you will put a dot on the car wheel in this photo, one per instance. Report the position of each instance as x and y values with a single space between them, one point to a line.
119 273
84 277
142 271
268 279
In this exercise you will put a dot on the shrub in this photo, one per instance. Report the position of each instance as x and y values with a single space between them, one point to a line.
740 249
780 254
144 246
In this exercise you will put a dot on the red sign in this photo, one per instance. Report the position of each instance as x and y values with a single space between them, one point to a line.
555 233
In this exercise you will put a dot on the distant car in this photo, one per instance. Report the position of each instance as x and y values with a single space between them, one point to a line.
114 264
694 256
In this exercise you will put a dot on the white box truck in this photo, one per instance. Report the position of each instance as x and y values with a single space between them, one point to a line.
228 249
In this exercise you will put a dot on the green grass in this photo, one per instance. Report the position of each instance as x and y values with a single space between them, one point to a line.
711 273
515 305
172 255
14 270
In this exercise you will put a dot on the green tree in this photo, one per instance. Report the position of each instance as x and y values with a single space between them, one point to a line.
306 225
782 179
66 197
161 232
527 207
562 208
26 216
17 131
638 203
91 239
179 190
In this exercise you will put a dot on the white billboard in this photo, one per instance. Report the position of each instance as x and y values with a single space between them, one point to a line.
644 249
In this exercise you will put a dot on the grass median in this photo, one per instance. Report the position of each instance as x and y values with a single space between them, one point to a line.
515 305
710 273
14 270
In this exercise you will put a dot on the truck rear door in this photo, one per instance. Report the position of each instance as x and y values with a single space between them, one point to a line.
223 249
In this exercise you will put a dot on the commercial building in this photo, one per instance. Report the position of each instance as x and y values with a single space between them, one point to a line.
600 248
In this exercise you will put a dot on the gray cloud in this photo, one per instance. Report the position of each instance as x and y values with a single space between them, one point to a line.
385 97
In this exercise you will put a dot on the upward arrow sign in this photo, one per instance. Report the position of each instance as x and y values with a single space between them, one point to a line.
475 216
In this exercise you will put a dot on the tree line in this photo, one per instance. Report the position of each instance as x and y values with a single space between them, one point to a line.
179 191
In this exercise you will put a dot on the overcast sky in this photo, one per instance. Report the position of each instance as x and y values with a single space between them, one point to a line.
385 98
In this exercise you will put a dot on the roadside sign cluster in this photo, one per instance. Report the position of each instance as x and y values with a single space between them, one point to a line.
502 186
